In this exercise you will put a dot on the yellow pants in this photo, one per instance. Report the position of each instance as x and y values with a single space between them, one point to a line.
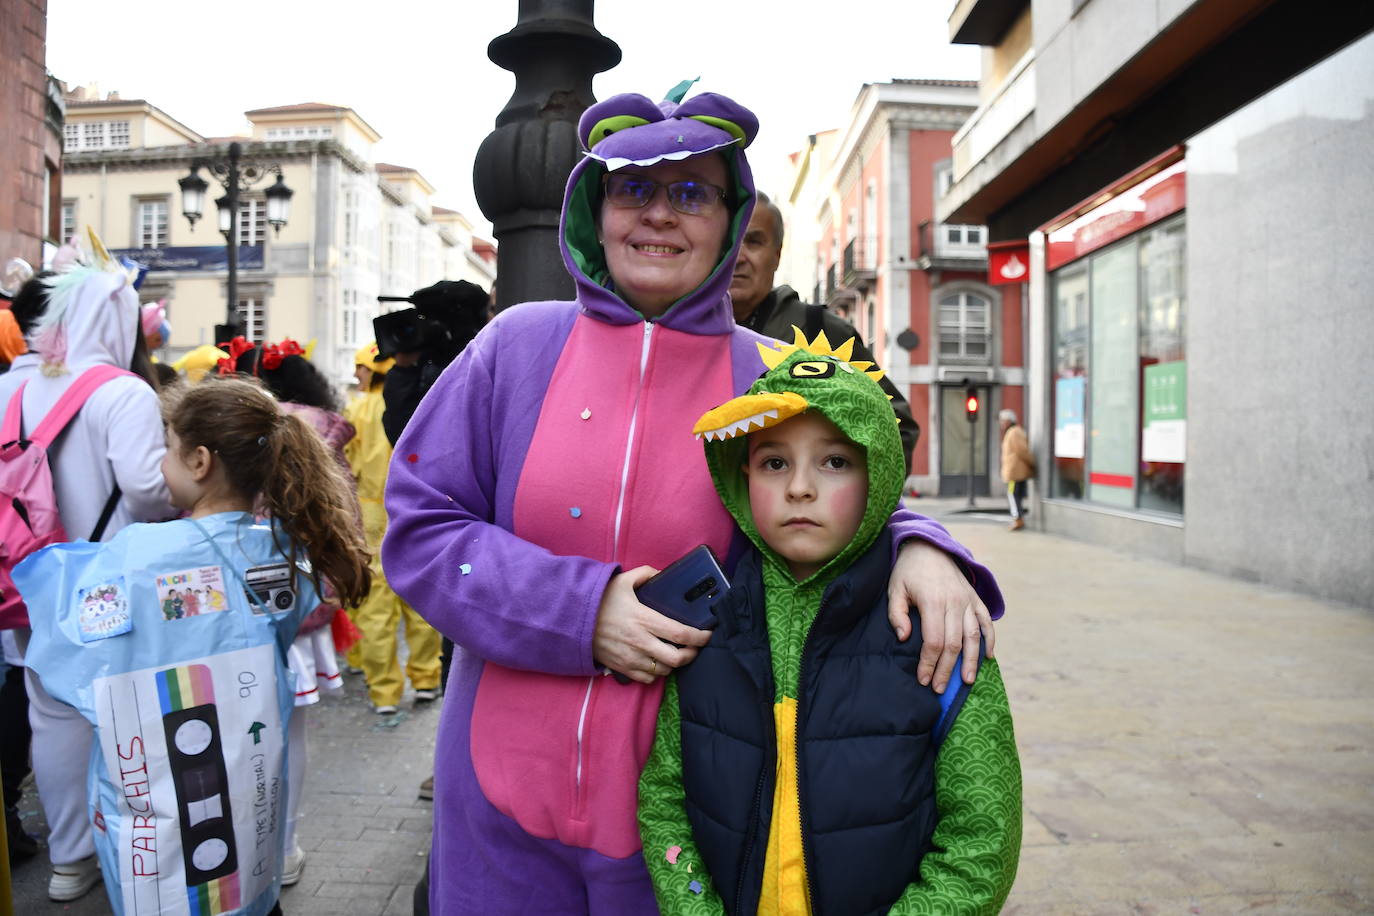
378 617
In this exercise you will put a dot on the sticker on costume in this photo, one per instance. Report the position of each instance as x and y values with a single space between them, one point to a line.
191 592
103 610
194 756
271 588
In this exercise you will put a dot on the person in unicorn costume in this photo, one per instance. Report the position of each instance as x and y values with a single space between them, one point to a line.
552 469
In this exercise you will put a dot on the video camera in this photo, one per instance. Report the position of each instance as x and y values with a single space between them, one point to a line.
444 320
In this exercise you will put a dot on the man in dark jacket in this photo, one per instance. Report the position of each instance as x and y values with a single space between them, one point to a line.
760 307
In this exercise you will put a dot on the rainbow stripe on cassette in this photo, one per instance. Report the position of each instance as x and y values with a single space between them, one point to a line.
196 756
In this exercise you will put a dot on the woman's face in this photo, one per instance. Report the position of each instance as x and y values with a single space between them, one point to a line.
655 254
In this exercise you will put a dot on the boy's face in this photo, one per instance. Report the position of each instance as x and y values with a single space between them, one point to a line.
808 488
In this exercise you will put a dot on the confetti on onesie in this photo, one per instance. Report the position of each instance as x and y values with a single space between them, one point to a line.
586 413
672 854
465 568
575 512
694 887
412 457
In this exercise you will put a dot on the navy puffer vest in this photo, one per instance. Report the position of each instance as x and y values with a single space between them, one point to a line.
866 749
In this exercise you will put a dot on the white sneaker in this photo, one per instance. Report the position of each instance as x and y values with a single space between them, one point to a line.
387 710
426 694
293 866
71 882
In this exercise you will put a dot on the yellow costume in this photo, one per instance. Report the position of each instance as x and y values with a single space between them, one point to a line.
369 454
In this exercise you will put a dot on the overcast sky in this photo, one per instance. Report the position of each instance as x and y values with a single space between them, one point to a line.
418 72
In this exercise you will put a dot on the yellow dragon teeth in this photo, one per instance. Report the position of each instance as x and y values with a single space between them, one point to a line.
747 413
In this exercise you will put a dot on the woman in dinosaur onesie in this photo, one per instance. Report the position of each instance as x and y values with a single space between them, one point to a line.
547 473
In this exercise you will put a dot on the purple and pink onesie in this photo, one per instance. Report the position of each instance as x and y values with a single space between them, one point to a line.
553 453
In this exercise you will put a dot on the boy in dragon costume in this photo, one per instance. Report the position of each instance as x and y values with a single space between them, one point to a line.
798 765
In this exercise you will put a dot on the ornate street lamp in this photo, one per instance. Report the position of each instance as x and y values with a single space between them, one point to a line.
193 196
278 204
235 174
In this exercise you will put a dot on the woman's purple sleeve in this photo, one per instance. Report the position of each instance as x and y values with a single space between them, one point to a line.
906 524
449 551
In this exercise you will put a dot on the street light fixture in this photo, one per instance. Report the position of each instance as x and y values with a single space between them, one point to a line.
193 196
235 175
278 204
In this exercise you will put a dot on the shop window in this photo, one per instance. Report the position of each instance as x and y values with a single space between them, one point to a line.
1120 392
1070 381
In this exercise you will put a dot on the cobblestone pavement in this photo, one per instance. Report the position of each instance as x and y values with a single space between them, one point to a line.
1189 743
364 830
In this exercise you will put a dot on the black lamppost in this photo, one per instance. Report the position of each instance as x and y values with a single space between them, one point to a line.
236 175
522 166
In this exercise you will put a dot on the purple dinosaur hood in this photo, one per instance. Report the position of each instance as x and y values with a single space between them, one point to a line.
629 129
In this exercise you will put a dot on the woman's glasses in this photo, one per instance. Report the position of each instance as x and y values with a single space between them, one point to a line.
633 192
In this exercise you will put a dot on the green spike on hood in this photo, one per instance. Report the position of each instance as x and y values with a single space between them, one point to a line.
679 92
845 395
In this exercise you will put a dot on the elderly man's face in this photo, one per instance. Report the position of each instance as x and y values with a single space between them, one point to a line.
757 262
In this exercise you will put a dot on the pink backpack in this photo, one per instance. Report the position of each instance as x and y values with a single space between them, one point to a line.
28 508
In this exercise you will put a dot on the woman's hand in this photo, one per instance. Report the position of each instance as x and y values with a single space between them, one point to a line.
952 615
630 638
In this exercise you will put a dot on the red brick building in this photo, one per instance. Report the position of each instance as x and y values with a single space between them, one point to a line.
31 143
916 289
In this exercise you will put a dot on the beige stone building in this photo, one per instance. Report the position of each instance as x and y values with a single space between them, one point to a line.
357 228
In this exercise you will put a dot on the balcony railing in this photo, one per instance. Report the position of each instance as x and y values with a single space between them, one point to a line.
861 261
936 251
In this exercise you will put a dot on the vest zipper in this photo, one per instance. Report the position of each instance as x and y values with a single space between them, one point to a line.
615 546
796 755
754 820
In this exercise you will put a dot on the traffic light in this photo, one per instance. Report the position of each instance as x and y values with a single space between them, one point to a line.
971 404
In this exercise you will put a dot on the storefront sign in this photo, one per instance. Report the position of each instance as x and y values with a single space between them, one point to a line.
1008 262
1068 417
1123 211
193 257
1164 434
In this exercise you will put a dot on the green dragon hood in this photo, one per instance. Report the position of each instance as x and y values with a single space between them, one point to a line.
806 376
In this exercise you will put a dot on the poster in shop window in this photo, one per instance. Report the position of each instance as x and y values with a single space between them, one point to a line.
1068 417
1165 424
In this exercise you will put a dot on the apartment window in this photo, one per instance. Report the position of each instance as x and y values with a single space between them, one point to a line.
964 235
252 228
964 328
93 135
151 231
352 319
68 221
118 135
71 137
253 313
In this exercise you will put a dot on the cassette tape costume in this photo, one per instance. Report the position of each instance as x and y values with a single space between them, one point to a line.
552 454
172 639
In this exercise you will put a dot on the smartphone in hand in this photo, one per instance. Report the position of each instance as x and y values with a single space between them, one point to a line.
687 588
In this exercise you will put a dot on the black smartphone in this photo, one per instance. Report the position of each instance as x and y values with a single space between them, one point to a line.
687 588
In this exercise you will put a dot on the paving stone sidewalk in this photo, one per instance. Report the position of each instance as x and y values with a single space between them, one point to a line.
1189 743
